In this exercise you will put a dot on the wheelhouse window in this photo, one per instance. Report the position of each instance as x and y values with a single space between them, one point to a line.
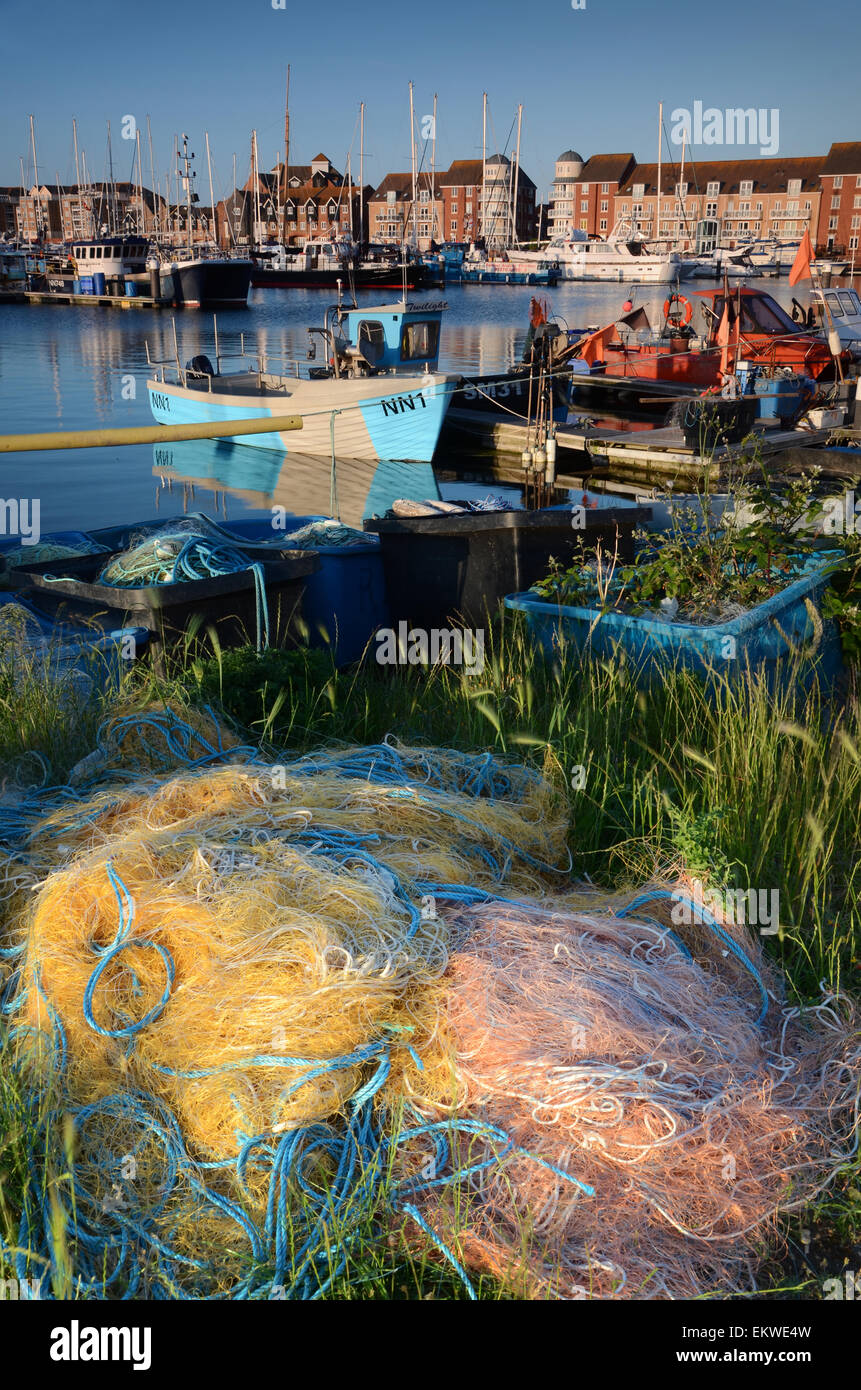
757 316
372 340
420 340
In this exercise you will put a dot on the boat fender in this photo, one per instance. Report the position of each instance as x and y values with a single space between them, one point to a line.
681 318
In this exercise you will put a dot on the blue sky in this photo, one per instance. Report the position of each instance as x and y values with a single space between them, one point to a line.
590 78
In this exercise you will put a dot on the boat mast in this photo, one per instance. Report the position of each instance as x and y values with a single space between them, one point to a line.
680 200
112 201
187 176
660 152
286 157
78 176
516 178
255 170
413 158
156 219
361 172
433 171
211 192
142 227
483 160
38 202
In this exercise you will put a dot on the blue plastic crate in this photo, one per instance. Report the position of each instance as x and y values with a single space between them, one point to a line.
758 639
67 646
345 601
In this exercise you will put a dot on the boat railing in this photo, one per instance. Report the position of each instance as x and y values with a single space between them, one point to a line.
262 365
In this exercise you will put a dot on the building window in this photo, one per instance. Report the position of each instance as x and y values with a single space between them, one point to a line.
391 197
835 201
424 195
584 206
638 190
603 224
712 189
856 202
469 207
711 209
838 181
453 208
792 205
453 225
604 205
623 209
605 188
832 224
793 188
855 223
745 188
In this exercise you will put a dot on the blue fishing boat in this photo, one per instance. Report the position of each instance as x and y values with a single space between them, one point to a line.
378 396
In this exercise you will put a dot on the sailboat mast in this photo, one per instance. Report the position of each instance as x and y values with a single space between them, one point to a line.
112 201
483 160
361 172
152 179
142 227
286 155
516 177
660 152
256 173
433 171
413 157
37 203
211 191
78 177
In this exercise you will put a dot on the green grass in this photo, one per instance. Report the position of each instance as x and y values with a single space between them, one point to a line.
741 787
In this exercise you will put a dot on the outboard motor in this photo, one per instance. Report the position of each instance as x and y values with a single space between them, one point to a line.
199 367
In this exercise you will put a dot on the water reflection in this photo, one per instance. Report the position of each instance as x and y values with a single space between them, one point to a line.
260 479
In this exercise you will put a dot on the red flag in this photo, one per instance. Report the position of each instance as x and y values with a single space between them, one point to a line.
593 346
722 337
801 265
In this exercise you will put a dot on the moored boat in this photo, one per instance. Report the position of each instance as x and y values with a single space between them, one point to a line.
624 256
378 397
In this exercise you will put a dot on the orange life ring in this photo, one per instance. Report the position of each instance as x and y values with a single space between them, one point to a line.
688 314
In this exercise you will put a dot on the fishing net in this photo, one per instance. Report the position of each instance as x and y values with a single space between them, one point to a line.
228 976
271 995
654 1065
172 556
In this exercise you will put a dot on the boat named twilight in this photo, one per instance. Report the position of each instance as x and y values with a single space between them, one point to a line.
378 397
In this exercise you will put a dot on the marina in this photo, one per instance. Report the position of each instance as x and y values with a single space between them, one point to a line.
430 656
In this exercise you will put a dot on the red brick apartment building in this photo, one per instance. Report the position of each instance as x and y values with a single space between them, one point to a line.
319 202
718 200
724 200
583 194
840 207
452 209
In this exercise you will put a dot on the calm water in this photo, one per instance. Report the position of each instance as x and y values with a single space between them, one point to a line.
78 368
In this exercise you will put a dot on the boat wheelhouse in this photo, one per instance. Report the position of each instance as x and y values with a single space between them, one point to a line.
117 258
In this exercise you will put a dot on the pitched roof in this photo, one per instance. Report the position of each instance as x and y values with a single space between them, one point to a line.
399 184
843 158
467 173
767 175
607 168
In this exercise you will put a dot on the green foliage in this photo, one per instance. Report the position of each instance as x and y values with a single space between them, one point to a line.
699 563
